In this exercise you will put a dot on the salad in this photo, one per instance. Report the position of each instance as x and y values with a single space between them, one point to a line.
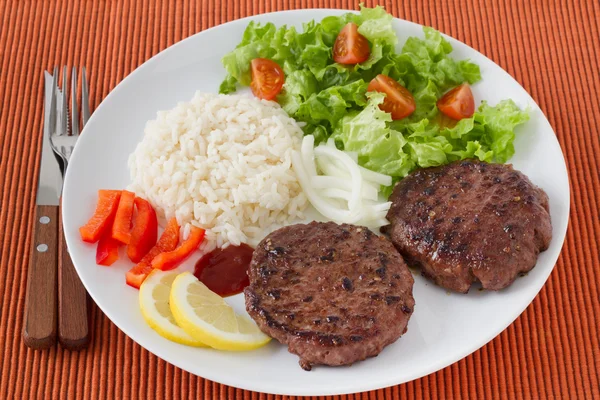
344 79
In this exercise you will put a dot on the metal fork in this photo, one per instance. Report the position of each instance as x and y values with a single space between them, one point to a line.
63 142
73 329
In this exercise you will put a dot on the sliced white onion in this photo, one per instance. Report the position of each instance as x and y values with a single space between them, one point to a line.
353 155
308 156
367 186
345 192
381 207
331 167
370 212
376 211
375 177
368 192
352 167
335 193
320 203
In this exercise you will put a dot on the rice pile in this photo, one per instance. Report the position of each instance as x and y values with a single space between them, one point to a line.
223 163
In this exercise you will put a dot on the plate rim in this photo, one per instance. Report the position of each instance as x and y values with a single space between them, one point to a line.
361 385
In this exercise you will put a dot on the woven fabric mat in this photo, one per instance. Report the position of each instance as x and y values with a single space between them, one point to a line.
552 48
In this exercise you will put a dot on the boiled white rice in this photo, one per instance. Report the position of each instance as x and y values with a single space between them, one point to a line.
223 163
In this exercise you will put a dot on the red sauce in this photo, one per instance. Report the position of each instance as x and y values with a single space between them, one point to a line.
225 271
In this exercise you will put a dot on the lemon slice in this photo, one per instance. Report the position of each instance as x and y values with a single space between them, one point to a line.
154 303
208 318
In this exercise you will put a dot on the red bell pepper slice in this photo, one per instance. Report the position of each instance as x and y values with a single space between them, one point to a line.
169 260
101 221
122 224
144 232
107 251
167 242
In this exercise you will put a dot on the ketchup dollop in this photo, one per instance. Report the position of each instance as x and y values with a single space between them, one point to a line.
225 271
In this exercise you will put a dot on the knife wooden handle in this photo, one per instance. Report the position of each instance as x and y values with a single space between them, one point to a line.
39 327
73 315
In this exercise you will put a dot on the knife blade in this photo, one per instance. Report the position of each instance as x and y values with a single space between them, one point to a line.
51 179
40 320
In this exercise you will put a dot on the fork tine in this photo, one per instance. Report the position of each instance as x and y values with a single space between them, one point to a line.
56 122
74 113
64 112
85 104
52 109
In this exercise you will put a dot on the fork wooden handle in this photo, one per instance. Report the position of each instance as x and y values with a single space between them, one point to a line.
39 327
73 315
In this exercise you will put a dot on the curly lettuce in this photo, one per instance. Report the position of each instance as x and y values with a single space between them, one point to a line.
397 149
331 99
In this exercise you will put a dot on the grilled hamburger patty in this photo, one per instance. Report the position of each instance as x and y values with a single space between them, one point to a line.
335 294
469 221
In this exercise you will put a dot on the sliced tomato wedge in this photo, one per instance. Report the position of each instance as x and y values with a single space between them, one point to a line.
398 100
267 78
350 47
171 259
102 220
167 242
458 103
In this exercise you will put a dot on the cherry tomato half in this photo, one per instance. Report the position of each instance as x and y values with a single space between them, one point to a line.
398 100
267 78
350 46
458 103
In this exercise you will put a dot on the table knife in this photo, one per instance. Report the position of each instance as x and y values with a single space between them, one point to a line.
39 327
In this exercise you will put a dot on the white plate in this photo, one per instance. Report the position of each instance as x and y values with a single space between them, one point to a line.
444 327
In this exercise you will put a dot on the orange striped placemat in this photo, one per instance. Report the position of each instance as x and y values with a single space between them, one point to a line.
551 47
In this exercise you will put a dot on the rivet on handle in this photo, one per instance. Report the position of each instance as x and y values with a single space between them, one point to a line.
45 220
42 248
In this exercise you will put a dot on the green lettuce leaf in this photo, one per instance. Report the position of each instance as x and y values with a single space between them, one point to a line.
396 148
330 105
499 124
379 148
298 87
330 99
228 85
266 41
376 25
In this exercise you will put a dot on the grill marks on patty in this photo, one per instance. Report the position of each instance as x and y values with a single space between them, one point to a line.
343 293
337 294
469 221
